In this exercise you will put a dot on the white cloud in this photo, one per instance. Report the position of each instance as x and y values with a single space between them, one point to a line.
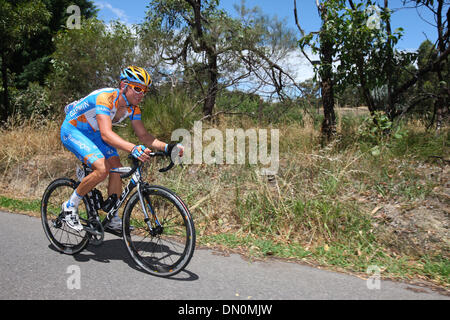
119 13
298 66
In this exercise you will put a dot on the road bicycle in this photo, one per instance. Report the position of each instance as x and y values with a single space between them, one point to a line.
157 227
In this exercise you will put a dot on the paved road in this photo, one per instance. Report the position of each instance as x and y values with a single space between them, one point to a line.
30 269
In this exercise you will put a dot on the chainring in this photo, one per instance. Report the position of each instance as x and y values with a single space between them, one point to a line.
96 232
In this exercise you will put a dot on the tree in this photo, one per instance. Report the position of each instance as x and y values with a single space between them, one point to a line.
438 59
27 29
32 62
431 89
367 56
396 75
15 31
324 43
216 51
365 48
194 21
89 58
262 47
426 90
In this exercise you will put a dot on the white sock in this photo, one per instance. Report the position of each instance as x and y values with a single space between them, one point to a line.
74 200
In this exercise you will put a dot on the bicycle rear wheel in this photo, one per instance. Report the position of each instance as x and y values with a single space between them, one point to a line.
168 247
65 239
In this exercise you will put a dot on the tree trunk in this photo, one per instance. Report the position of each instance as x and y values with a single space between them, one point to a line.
326 75
390 108
210 50
364 87
329 121
441 103
5 96
210 100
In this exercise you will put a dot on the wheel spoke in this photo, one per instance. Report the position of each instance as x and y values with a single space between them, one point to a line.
60 235
168 247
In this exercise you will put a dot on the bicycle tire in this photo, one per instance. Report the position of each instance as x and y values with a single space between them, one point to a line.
63 238
169 252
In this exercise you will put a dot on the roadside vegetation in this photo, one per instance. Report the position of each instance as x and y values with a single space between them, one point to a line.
359 201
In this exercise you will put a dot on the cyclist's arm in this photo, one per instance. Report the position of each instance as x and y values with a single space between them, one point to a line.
109 136
145 137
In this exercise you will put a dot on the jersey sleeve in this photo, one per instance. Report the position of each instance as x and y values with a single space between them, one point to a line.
104 104
135 113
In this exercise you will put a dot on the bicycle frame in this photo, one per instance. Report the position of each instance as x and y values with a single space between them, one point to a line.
160 247
135 181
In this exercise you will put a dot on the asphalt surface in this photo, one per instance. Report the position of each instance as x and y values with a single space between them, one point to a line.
31 269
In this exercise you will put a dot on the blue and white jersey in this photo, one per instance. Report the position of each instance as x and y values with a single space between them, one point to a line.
83 113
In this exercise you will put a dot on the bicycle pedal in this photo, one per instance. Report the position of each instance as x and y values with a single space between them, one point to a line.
92 231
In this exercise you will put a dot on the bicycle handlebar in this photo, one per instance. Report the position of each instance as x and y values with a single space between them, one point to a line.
137 163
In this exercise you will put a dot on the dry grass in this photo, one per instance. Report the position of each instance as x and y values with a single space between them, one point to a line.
336 204
31 156
23 139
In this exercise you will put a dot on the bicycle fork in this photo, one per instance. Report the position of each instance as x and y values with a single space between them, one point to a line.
153 230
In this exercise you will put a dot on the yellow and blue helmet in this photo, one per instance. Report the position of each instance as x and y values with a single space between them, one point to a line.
136 75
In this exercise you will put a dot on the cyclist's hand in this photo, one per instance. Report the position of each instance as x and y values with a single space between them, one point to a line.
141 153
175 150
180 148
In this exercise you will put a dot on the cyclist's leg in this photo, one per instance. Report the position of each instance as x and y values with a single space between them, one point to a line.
115 182
86 150
99 173
114 188
112 161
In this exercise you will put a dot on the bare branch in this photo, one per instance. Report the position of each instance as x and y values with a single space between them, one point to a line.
352 5
301 31
296 19
420 73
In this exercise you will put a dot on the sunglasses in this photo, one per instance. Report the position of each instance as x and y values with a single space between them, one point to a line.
138 89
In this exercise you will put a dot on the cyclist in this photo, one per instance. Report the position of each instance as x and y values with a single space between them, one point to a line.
87 132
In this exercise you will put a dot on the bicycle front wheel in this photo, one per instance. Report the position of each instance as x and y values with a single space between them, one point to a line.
65 239
163 244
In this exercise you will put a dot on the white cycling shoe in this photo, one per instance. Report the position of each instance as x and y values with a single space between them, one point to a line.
72 219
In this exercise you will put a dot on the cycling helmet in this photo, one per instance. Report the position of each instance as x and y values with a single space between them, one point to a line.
134 75
137 75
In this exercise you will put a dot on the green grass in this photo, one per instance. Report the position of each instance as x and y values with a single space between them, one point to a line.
357 258
20 205
437 265
421 145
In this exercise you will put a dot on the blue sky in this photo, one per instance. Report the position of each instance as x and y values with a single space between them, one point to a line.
416 29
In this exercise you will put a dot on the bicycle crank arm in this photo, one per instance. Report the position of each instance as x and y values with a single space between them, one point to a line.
92 231
96 232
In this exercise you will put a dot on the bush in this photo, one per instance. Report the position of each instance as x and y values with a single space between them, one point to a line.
377 132
162 113
34 101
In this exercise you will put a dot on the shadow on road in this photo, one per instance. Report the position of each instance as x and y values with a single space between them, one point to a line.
114 249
